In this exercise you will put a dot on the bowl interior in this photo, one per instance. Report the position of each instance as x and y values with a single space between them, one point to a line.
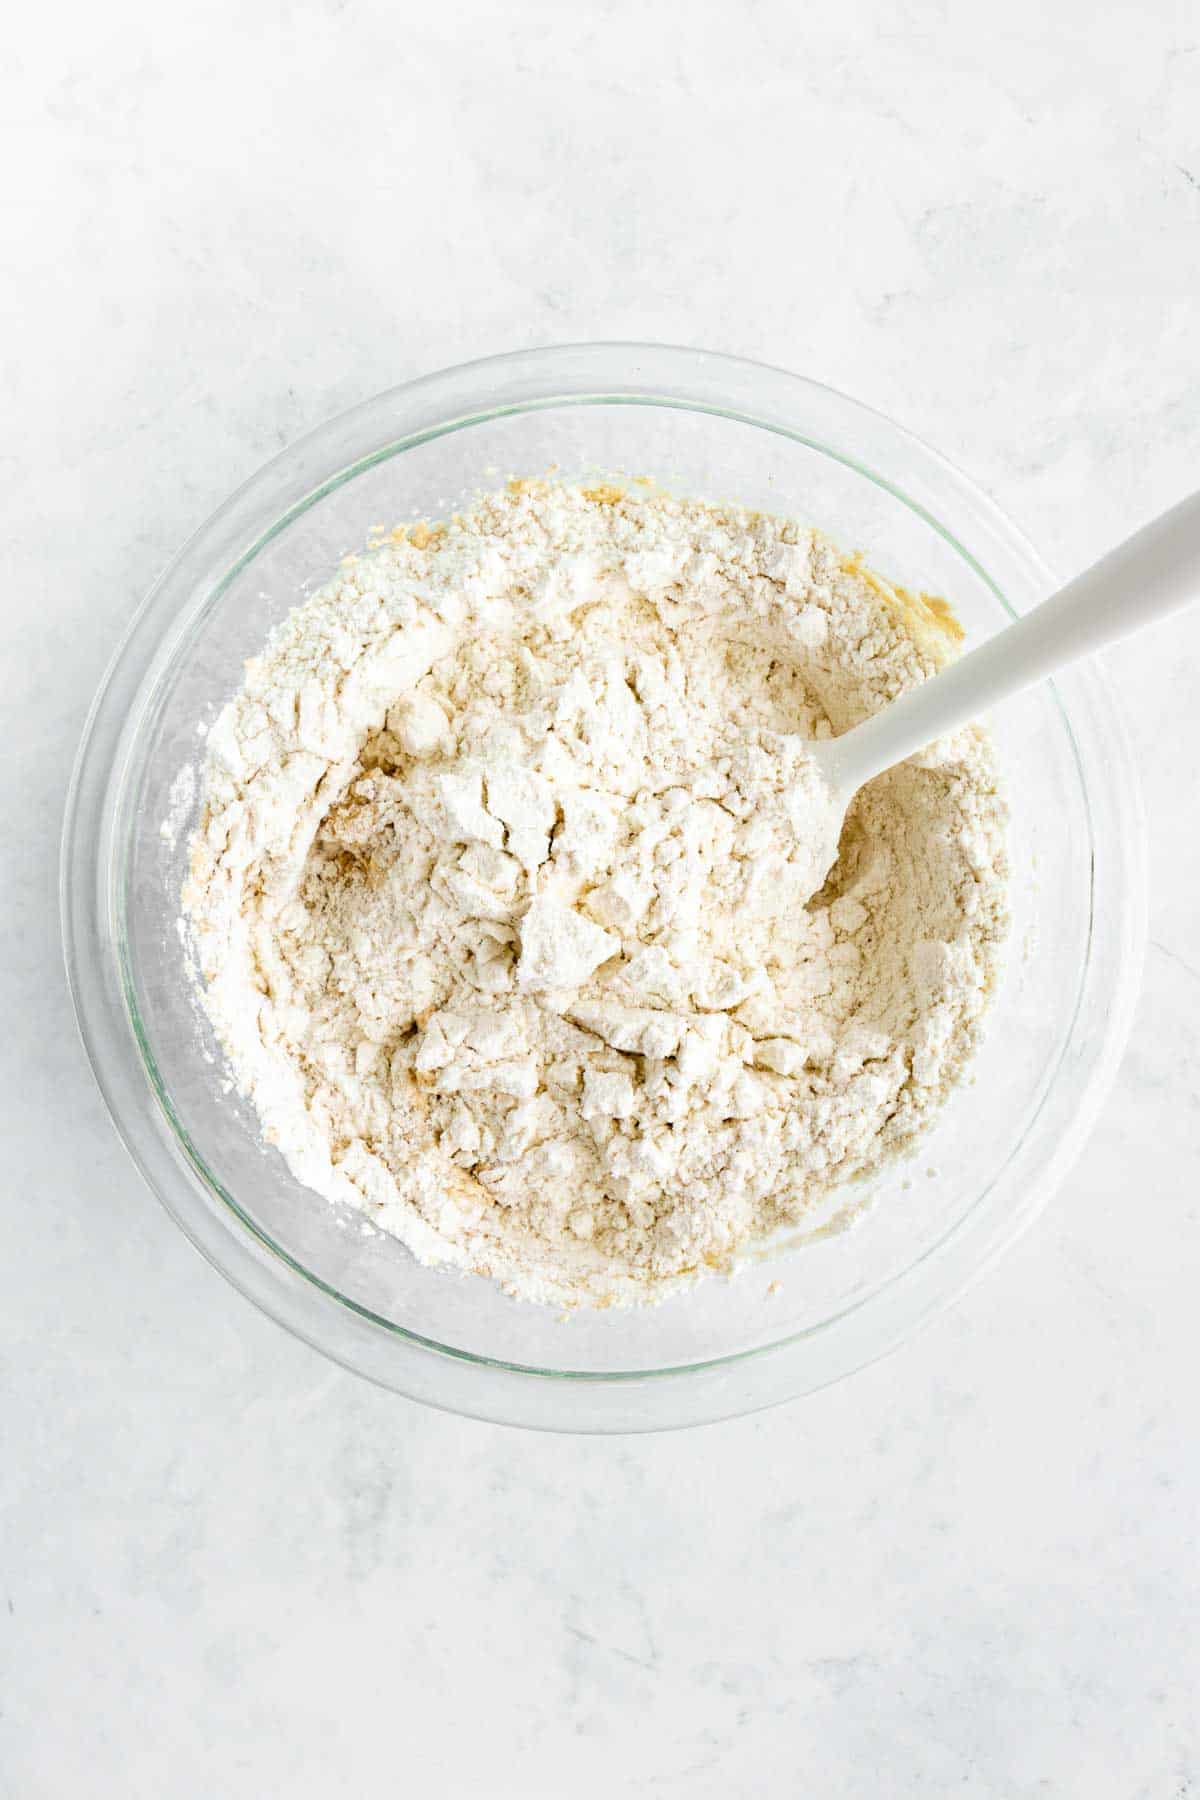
866 1236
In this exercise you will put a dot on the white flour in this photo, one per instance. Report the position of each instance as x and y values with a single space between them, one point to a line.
503 888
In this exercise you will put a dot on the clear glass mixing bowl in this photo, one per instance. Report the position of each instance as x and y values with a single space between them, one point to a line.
880 1258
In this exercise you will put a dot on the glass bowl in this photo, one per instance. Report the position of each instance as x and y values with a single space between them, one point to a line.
879 1257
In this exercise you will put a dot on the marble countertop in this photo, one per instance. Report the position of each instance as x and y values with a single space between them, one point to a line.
229 1568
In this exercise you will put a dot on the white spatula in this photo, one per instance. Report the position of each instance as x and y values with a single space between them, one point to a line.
1150 575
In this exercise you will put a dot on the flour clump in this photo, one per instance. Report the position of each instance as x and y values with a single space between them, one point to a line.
512 897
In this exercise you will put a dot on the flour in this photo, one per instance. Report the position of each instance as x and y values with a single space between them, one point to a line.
503 891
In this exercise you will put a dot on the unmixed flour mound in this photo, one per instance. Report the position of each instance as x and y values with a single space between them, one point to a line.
502 891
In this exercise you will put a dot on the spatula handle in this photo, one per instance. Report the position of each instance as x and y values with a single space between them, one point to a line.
1150 575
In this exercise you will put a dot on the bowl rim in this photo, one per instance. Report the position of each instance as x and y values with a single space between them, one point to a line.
92 866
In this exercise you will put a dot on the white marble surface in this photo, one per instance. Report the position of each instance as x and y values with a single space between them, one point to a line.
227 1568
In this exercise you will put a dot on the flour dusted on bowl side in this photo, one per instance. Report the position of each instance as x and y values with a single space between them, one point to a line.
503 887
